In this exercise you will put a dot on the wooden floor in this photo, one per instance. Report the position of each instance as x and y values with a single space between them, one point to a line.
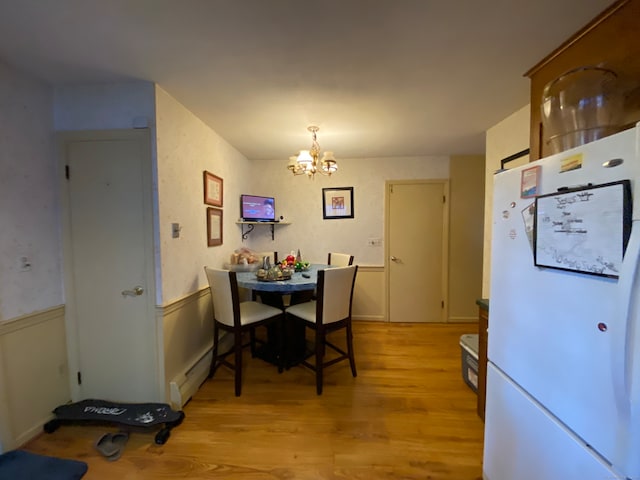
407 415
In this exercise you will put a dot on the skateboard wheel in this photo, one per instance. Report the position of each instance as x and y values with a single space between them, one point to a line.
162 436
51 426
180 419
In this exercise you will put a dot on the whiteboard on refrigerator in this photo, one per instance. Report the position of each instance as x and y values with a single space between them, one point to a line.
584 229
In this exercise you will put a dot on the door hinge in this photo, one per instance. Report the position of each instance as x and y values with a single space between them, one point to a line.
442 303
444 199
79 378
66 171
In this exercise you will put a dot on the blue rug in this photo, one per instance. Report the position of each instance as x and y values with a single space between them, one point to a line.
21 465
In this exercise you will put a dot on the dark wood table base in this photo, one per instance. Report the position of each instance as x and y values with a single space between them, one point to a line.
296 348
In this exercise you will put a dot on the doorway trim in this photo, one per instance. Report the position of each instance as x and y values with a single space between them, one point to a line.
63 139
445 241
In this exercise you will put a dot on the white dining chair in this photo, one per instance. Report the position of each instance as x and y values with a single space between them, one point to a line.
339 259
333 259
232 315
329 313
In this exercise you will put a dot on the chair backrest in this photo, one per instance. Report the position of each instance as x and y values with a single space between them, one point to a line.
335 293
339 259
224 296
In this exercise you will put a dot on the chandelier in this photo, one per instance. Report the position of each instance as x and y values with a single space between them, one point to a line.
307 163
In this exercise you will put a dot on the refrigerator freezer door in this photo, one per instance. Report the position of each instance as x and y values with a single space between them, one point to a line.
551 331
522 441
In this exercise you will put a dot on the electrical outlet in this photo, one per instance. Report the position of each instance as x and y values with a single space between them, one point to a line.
175 230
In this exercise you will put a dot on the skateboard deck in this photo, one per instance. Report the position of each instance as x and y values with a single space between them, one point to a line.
143 415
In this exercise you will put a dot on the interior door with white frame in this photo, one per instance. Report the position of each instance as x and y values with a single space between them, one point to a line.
109 274
416 250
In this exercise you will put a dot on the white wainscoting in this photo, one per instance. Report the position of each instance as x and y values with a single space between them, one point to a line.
34 376
369 297
187 326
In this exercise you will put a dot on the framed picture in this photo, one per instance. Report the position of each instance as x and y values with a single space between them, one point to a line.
212 189
214 226
516 160
337 203
583 230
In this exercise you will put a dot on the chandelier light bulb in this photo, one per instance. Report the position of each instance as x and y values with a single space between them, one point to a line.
305 157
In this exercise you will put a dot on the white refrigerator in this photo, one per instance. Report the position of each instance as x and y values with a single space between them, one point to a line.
563 373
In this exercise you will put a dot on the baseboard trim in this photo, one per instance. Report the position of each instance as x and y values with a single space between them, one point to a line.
369 318
463 319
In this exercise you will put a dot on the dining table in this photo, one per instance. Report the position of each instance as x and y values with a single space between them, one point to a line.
302 281
299 288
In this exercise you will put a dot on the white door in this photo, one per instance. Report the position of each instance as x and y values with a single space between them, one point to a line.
109 259
416 250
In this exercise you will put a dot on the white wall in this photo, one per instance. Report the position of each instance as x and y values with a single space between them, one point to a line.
33 364
466 213
104 106
299 199
186 147
29 213
504 139
108 106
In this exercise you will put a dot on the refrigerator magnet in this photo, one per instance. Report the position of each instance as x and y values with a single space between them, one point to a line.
572 162
530 177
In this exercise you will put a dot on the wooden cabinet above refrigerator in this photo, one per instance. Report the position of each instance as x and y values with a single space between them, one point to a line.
610 40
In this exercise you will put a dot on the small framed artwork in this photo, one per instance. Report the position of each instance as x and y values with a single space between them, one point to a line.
337 203
214 227
212 189
529 180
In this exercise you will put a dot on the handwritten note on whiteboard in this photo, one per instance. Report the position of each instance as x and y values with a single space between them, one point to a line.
584 230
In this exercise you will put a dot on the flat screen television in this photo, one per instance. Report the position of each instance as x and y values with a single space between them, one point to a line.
254 208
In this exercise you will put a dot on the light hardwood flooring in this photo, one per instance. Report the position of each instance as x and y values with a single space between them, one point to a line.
407 415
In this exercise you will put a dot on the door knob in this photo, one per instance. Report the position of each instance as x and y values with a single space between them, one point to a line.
136 292
395 259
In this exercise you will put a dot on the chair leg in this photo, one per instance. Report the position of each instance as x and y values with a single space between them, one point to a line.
252 341
319 360
352 360
280 352
214 355
237 348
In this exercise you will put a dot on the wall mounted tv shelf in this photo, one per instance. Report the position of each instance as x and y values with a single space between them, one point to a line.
252 225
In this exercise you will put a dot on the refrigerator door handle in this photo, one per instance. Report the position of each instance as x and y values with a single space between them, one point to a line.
626 354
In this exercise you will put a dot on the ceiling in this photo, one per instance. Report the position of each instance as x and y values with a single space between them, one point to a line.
379 77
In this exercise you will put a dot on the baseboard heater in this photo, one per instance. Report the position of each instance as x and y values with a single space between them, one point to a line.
186 384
